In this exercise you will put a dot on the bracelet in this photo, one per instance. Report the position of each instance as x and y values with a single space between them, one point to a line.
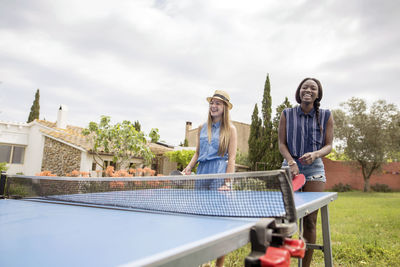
292 162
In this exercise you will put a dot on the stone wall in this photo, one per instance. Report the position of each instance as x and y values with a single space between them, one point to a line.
60 158
166 166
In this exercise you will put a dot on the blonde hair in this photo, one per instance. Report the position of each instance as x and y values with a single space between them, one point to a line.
225 131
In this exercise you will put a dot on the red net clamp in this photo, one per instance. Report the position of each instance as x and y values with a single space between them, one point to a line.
275 257
296 247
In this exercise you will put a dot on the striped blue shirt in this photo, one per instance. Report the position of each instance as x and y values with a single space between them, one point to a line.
302 131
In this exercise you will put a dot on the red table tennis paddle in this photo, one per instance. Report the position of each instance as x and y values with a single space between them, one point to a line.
298 181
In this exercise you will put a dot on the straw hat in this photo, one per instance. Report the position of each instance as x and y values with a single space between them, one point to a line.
221 95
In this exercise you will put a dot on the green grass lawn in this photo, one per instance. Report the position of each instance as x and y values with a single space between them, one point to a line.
365 231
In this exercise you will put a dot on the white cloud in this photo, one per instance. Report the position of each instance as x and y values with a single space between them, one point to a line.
156 62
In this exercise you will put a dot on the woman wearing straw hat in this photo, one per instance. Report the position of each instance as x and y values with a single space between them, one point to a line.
217 143
216 146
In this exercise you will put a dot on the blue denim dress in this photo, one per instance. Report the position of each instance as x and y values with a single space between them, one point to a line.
209 160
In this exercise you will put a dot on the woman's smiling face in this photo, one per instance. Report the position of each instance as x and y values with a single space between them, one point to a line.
216 107
309 91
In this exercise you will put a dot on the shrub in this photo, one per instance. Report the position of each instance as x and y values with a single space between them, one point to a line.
74 173
110 172
341 187
3 166
381 188
181 157
45 173
148 172
17 191
84 174
122 173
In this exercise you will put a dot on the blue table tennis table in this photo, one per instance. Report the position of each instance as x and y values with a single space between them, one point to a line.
37 233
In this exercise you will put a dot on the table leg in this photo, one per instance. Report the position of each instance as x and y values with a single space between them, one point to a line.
300 260
326 235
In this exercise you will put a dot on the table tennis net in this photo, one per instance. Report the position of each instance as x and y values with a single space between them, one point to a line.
251 194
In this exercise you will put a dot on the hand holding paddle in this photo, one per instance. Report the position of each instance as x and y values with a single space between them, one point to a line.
298 181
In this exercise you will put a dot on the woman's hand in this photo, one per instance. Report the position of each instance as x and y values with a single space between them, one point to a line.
227 186
308 158
294 169
187 170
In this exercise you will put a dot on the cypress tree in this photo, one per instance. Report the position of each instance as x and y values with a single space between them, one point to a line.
35 109
255 149
263 140
267 103
267 125
185 143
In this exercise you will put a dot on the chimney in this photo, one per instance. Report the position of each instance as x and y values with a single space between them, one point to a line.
62 117
188 128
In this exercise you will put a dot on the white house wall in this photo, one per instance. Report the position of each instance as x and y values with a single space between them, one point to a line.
86 162
29 136
15 134
34 151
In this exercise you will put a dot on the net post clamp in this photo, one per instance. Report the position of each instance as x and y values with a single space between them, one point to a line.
296 247
270 245
260 239
275 257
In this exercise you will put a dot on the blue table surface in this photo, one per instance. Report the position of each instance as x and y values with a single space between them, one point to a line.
47 234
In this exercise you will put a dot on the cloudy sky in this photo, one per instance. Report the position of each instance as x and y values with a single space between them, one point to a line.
157 61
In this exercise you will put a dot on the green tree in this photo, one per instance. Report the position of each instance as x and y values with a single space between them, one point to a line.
122 140
265 153
267 129
181 157
275 155
242 158
266 105
154 135
337 155
255 139
370 137
3 167
35 108
128 143
185 143
137 126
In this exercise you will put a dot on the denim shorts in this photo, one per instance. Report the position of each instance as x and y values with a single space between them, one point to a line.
313 172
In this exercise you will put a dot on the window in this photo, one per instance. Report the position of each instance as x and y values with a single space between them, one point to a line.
18 155
93 166
5 153
110 163
12 154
